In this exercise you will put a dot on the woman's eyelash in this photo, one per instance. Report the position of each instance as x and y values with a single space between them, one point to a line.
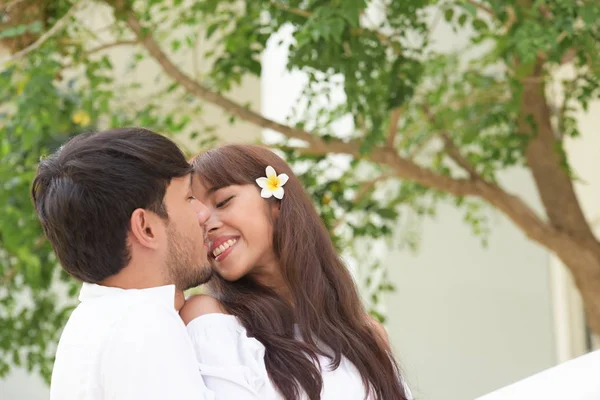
222 203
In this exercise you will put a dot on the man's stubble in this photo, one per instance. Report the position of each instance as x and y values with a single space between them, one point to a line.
183 268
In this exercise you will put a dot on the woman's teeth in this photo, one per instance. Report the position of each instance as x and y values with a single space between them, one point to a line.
223 247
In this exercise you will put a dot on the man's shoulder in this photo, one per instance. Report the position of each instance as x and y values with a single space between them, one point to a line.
139 311
123 317
126 305
106 338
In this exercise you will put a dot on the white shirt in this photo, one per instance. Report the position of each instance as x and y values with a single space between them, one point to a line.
215 335
129 345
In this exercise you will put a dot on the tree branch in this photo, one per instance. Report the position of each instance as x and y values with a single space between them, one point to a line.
295 11
482 7
60 24
206 94
568 56
521 214
405 169
9 275
7 7
369 185
546 162
545 11
458 158
363 190
102 48
419 147
450 147
393 127
510 21
111 45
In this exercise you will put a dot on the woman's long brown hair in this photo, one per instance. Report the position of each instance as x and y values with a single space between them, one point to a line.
325 306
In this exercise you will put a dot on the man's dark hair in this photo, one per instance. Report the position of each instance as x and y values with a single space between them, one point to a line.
85 193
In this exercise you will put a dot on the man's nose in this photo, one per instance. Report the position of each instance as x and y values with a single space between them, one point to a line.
203 213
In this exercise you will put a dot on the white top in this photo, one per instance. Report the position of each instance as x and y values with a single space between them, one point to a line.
130 345
218 335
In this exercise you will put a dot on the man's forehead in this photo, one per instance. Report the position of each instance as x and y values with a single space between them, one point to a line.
179 184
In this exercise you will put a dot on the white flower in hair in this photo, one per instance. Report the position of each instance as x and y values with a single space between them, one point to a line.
272 185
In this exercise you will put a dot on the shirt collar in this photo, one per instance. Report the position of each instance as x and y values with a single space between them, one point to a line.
90 291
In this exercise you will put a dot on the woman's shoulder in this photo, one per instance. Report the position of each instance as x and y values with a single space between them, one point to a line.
198 305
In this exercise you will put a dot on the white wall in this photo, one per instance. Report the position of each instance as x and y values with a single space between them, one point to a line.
467 320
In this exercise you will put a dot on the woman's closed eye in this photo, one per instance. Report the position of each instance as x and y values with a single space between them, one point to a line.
224 202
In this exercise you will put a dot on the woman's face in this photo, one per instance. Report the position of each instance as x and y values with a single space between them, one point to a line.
240 229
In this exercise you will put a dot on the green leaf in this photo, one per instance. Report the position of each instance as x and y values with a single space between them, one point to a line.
175 45
13 31
210 31
479 25
469 7
388 213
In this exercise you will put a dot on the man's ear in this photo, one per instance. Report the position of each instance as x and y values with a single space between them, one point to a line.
146 228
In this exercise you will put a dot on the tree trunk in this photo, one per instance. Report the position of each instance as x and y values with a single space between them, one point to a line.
583 260
22 12
575 243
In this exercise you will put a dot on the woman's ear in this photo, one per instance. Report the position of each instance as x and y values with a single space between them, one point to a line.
275 208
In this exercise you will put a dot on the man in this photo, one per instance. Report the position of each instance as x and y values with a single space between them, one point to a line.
118 209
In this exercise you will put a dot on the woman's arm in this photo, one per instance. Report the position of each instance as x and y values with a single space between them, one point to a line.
231 363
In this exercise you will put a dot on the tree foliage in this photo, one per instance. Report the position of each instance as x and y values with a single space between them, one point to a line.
428 125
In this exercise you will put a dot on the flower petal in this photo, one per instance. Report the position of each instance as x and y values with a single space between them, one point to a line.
283 178
270 172
278 193
262 182
266 193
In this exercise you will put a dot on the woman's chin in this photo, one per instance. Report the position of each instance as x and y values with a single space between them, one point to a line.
228 275
231 269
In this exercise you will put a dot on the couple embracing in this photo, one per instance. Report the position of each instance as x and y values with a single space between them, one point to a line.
132 219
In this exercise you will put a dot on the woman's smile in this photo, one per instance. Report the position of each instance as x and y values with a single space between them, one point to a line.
222 247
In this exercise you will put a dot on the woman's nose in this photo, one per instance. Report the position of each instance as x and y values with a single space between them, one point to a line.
212 223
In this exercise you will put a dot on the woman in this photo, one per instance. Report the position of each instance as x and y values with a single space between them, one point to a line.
286 304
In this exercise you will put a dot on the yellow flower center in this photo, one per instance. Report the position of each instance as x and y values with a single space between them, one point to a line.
273 183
